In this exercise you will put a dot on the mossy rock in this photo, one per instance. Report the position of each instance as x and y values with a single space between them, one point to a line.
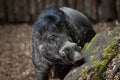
98 54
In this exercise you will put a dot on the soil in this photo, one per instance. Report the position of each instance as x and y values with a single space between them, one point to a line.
15 56
15 50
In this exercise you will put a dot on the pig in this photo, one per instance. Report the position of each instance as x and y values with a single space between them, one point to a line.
58 35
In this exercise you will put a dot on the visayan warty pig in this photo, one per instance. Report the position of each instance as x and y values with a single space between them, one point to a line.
58 35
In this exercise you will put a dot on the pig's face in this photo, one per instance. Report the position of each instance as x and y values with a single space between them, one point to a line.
56 46
53 40
59 49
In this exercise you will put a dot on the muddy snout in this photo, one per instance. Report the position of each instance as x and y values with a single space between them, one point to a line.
71 53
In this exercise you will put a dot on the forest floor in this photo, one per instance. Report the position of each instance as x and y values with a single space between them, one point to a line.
15 50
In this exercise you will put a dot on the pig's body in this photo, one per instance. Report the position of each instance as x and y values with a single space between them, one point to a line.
57 36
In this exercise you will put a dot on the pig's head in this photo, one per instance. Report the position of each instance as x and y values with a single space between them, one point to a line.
53 40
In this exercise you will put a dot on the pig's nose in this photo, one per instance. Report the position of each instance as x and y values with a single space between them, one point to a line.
77 58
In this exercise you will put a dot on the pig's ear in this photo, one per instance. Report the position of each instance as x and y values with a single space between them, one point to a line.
71 28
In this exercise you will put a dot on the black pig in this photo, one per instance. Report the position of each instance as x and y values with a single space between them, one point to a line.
58 35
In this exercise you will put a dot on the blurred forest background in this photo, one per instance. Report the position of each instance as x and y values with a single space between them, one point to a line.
16 18
27 10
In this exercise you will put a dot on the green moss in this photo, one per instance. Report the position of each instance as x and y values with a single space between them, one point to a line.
99 64
92 58
95 50
83 72
111 50
87 45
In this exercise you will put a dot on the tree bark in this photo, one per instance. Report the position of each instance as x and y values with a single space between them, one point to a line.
2 11
118 9
91 9
18 7
40 5
63 3
26 11
10 10
98 54
33 10
80 5
72 3
50 3
108 10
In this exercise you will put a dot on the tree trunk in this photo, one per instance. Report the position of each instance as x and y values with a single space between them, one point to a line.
80 5
102 58
40 5
118 9
63 3
50 3
108 10
10 10
33 10
91 8
72 3
18 7
2 11
26 11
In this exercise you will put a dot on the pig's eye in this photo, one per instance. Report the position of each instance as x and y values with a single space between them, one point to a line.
52 38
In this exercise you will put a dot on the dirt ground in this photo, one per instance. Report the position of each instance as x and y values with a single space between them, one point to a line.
15 56
15 52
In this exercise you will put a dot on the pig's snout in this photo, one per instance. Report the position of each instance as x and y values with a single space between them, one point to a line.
77 58
71 52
